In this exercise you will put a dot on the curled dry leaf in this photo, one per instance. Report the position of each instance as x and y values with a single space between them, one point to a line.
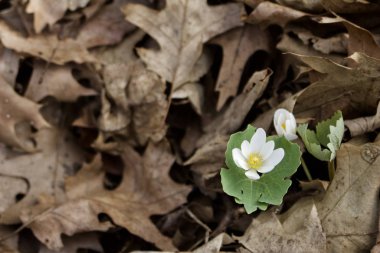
43 172
349 209
16 115
130 205
55 81
363 125
297 230
46 47
180 58
46 12
376 248
238 45
267 13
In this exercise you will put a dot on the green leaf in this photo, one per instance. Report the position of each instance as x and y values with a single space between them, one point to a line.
326 142
271 187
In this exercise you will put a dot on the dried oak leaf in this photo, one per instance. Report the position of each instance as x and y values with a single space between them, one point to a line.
47 12
297 230
47 46
16 113
107 27
181 29
349 209
146 189
44 171
238 45
56 81
352 89
376 248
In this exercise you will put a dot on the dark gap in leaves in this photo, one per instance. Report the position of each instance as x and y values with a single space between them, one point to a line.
180 116
217 51
169 223
27 242
317 29
275 32
317 168
120 240
217 2
5 4
258 61
85 137
19 196
23 75
147 42
168 88
113 166
180 174
81 250
103 217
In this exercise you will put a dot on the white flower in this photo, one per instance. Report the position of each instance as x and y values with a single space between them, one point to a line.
257 155
285 124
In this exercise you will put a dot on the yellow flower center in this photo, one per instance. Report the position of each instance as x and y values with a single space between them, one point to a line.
255 161
283 125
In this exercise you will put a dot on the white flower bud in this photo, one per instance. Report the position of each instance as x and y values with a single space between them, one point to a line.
285 124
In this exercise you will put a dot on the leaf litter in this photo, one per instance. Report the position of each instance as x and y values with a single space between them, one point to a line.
115 117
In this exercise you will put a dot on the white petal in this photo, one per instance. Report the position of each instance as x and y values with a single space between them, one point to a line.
278 112
239 159
258 140
252 174
289 128
290 136
281 119
275 158
279 129
245 148
267 150
265 169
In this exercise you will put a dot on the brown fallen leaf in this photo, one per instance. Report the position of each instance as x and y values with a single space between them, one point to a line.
296 41
55 81
107 27
267 13
228 120
376 248
238 45
46 12
303 5
146 189
46 47
297 230
181 29
350 6
16 114
9 63
141 104
43 171
354 90
349 209
85 241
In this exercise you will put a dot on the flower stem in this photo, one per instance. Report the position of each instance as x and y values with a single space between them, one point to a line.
306 170
331 165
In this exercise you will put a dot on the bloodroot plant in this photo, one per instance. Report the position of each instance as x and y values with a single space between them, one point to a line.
259 168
